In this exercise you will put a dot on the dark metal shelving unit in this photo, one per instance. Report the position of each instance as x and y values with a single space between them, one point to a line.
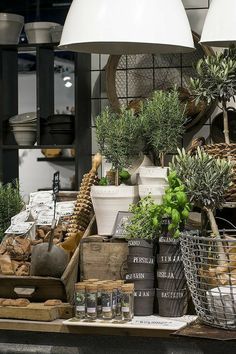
9 163
56 159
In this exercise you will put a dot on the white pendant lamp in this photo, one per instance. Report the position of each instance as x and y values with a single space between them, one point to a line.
127 27
220 25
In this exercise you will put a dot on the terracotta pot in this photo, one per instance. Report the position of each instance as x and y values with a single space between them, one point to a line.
108 201
156 191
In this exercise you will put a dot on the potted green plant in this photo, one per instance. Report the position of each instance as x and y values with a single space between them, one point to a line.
208 257
141 231
206 180
172 293
162 119
215 81
119 140
11 204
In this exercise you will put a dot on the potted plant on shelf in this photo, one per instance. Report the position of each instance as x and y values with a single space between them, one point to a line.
119 140
216 81
141 231
172 292
209 259
206 180
162 119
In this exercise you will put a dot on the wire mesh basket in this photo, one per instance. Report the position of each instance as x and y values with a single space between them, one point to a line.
210 269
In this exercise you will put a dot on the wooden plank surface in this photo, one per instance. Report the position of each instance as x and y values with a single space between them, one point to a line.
58 327
36 312
199 330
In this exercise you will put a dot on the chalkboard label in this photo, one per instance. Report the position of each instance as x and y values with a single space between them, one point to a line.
122 220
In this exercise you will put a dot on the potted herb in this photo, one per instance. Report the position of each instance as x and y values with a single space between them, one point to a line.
206 180
11 204
208 258
141 231
215 81
162 118
172 293
119 140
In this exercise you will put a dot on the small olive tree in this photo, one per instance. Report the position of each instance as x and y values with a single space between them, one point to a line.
118 137
206 180
216 81
162 118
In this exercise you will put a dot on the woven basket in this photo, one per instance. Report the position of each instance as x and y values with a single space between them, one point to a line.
224 151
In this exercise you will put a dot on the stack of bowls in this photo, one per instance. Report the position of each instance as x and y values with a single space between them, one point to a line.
10 28
61 128
24 127
39 32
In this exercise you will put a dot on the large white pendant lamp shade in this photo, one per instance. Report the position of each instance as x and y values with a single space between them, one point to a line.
127 27
220 25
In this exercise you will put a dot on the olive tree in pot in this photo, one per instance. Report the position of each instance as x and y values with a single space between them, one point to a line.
216 81
141 232
207 257
119 140
206 180
162 119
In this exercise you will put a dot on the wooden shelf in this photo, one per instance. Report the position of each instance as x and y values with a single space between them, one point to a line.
57 159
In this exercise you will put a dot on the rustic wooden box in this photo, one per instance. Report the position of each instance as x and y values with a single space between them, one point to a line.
39 289
103 260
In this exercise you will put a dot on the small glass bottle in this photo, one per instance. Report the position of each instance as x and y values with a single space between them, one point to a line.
114 297
80 301
118 302
99 298
91 301
127 302
106 292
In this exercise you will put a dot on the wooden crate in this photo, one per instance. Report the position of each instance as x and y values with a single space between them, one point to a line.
103 260
39 289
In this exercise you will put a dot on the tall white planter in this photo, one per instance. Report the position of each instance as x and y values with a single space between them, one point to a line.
153 175
142 161
108 201
153 180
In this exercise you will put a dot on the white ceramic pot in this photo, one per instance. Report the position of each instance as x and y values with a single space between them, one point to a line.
152 175
142 161
25 137
156 192
39 32
108 201
10 28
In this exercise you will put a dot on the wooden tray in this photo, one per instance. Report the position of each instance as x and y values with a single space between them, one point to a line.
40 289
37 312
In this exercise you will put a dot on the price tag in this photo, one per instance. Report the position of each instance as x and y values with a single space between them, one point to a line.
56 183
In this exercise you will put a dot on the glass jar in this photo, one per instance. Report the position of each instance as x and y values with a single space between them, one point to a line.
119 284
91 301
80 311
99 298
114 298
106 293
127 302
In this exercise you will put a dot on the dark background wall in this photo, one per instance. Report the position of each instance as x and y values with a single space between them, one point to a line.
43 10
